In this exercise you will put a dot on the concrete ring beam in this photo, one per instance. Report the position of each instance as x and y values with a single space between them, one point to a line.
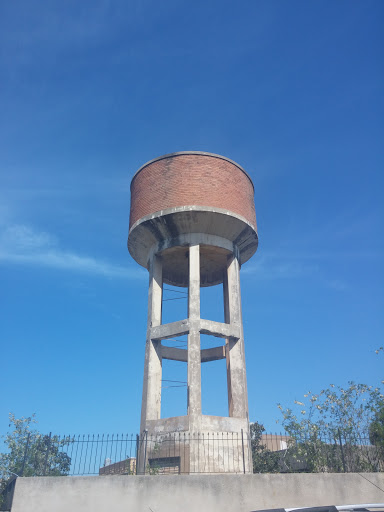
176 226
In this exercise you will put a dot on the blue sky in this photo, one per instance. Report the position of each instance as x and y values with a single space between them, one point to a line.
90 91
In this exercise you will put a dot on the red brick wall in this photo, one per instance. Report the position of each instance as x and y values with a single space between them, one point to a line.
200 180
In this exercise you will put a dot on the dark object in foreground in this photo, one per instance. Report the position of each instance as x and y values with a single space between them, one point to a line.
366 507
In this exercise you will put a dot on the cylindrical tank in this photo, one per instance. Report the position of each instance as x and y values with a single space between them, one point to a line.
188 192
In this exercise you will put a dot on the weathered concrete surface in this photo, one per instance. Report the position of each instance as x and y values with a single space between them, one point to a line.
224 493
207 423
151 402
175 226
194 357
236 375
181 354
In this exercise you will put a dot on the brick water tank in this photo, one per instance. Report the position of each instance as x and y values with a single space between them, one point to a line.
192 225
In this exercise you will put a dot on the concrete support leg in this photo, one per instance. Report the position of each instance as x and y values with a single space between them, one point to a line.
236 375
227 320
151 404
194 359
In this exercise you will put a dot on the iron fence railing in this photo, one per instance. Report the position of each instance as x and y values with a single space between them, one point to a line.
185 453
180 452
336 453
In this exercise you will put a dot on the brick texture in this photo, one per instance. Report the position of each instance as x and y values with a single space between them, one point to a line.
186 180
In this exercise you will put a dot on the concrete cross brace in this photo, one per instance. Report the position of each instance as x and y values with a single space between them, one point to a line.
165 331
212 354
181 354
218 329
174 354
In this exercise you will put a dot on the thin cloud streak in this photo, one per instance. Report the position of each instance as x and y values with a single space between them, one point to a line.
22 245
275 268
272 267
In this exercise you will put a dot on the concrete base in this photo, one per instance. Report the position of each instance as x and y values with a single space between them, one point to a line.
187 452
200 493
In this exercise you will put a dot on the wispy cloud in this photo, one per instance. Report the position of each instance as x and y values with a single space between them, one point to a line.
273 267
23 245
337 284
294 266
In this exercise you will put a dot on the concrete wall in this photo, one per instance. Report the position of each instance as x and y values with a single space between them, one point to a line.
200 493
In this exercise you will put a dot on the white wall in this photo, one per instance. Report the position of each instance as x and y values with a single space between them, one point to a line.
194 493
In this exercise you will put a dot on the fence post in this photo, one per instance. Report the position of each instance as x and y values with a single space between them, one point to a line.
46 455
137 452
25 455
342 451
145 450
242 444
7 493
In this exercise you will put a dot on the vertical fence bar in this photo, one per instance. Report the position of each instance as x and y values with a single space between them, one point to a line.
116 447
209 458
101 462
242 446
145 450
184 458
46 455
86 454
342 451
137 452
121 449
90 455
128 452
129 457
204 458
113 458
196 438
192 462
81 453
106 454
77 449
250 461
174 452
222 447
95 458
70 442
25 454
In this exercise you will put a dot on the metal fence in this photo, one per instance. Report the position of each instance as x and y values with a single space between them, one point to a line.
180 452
51 455
187 453
337 453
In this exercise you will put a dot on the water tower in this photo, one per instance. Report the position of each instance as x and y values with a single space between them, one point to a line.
192 225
